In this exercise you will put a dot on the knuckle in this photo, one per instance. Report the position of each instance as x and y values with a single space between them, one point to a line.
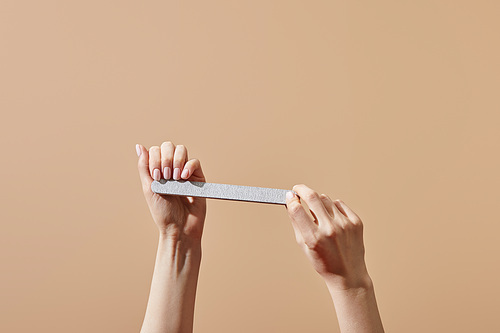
167 144
356 220
298 239
297 186
357 223
348 226
330 232
294 208
326 198
338 220
313 242
311 195
166 157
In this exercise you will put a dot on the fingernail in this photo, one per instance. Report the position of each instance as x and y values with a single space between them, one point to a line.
289 195
138 149
167 173
156 174
185 173
177 173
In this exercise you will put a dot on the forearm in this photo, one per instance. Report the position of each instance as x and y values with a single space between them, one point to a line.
171 301
356 308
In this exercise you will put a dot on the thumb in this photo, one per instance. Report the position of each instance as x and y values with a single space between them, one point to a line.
143 166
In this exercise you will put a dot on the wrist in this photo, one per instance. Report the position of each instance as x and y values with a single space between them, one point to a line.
359 282
174 233
178 248
348 292
356 306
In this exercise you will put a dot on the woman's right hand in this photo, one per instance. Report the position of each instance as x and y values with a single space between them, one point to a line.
175 216
332 241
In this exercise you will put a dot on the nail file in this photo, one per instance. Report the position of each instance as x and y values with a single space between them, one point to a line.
220 191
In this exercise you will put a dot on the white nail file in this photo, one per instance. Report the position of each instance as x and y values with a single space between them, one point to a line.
220 191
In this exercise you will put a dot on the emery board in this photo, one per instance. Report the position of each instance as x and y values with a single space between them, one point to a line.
220 191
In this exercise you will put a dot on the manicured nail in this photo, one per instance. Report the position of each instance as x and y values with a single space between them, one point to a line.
289 195
156 174
177 173
185 173
167 173
138 149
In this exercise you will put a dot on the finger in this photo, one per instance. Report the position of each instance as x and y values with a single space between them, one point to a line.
328 203
143 166
180 157
314 202
301 221
155 162
298 236
167 157
192 168
348 212
330 206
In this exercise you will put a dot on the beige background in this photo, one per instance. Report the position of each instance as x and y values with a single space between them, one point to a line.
392 106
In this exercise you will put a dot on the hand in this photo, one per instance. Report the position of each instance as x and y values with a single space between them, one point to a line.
175 216
332 241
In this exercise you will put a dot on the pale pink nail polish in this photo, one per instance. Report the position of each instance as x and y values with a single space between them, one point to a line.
166 172
138 149
177 173
289 195
185 173
156 174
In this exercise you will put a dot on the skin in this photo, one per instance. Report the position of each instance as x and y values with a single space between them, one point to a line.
332 240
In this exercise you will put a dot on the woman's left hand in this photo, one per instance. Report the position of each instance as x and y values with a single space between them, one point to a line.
175 216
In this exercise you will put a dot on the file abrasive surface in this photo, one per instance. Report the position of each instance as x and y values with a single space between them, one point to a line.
220 191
